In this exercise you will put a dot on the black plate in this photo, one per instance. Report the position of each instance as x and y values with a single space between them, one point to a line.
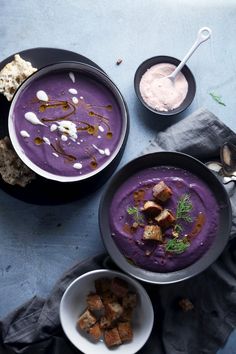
166 159
32 193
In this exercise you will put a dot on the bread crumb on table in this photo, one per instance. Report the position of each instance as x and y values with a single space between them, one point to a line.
119 61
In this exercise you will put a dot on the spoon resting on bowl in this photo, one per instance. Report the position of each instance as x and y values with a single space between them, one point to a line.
163 86
203 35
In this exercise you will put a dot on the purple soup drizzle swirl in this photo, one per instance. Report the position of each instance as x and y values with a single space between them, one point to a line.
59 147
149 254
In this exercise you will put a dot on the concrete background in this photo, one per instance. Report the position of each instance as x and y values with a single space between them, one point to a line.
38 243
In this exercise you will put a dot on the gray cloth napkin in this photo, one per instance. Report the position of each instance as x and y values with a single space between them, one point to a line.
34 328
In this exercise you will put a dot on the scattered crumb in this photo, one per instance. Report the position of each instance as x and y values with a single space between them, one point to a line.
186 305
119 61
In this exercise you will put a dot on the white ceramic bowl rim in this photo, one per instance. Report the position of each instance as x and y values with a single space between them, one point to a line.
97 74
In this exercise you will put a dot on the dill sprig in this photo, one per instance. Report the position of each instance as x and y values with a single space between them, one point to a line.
177 246
217 98
134 211
184 207
177 230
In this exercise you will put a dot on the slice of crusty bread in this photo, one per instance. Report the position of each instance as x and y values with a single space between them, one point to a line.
12 169
13 74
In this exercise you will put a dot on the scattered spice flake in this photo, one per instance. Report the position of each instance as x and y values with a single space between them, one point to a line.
217 98
119 61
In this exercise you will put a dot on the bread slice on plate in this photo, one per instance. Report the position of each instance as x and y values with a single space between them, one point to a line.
13 74
12 169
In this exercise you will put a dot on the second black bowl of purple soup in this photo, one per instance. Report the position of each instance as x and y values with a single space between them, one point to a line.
164 217
153 97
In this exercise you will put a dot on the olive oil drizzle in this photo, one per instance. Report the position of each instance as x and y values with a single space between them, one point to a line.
58 149
92 129
38 140
199 222
65 105
70 105
108 106
93 163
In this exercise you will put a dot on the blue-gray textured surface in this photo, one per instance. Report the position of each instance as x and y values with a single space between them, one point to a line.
34 249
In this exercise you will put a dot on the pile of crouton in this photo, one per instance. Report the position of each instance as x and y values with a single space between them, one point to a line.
109 312
154 211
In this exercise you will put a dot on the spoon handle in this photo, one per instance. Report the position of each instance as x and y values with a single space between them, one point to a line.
203 35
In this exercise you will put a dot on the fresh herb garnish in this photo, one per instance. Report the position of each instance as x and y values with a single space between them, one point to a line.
184 207
177 230
217 98
177 246
134 211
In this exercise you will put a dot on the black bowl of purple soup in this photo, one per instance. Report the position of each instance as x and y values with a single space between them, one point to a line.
68 122
162 96
164 217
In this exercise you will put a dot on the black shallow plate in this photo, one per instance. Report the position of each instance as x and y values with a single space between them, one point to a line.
177 160
43 191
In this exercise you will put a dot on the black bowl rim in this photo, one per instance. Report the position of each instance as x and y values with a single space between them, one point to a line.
115 91
177 110
169 277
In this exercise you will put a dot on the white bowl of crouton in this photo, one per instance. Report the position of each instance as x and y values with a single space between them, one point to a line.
106 310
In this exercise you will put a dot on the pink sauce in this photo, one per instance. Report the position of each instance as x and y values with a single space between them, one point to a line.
161 93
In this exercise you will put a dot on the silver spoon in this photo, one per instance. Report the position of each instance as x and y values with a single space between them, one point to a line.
226 168
203 35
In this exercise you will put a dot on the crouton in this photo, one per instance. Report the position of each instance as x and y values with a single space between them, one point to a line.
112 337
94 302
102 285
95 331
108 297
113 310
161 191
105 322
125 331
165 219
86 320
126 315
152 232
119 287
130 300
151 209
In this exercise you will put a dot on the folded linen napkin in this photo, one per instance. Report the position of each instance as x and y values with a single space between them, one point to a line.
34 328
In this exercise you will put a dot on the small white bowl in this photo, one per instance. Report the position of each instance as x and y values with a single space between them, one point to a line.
73 303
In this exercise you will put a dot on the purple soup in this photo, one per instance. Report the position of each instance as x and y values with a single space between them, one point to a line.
195 232
67 123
